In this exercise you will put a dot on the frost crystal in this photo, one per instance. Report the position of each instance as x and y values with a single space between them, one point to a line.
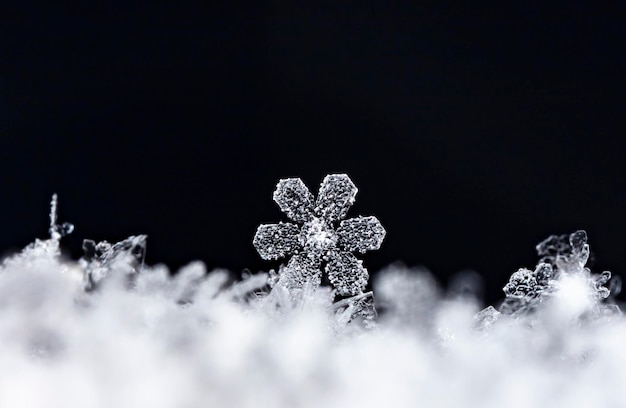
318 244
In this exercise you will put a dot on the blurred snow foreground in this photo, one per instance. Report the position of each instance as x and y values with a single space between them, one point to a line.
110 331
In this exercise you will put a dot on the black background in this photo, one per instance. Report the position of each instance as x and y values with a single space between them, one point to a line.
473 131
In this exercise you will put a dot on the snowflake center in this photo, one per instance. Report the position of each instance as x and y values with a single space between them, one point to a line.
318 236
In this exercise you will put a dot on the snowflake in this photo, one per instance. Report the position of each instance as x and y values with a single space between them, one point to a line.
318 243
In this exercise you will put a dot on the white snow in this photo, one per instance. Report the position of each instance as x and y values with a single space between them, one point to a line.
135 346
142 338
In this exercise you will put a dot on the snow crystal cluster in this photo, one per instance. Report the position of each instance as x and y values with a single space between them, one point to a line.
111 331
561 272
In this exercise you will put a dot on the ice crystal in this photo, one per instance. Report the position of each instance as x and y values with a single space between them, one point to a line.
318 243
58 230
359 306
45 248
101 258
561 269
566 252
526 284
487 317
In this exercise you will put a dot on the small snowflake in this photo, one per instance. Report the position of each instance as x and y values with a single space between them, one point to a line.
318 243
561 256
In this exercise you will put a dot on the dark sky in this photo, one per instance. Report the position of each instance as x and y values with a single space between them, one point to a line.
472 131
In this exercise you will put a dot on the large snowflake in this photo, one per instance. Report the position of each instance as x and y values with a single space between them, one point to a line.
318 243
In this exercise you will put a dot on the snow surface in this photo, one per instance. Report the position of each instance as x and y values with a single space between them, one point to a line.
109 331
192 340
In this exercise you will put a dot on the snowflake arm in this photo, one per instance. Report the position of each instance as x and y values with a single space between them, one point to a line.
294 199
346 273
361 234
304 270
336 196
274 241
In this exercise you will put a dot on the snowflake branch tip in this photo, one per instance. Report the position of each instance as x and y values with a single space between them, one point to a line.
294 199
336 196
347 274
361 234
274 241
